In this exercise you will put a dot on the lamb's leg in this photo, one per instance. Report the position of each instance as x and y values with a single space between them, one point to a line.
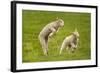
62 47
73 47
44 44
68 49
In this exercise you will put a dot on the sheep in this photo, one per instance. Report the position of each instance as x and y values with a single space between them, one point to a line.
70 42
48 31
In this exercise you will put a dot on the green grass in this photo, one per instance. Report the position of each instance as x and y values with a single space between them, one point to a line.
34 21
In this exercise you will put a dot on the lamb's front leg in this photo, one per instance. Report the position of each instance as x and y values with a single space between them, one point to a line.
73 47
52 33
77 44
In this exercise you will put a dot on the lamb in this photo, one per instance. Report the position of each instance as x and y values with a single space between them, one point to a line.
48 31
70 42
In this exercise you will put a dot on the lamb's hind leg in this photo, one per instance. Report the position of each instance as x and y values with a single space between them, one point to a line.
44 44
62 47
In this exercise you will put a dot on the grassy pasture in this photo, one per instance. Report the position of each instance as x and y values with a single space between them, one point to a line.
33 22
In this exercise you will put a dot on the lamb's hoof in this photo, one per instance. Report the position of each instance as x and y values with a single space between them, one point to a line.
46 54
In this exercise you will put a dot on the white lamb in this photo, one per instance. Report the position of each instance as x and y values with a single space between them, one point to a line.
70 42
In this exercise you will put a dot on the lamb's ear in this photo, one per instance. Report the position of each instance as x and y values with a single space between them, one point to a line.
75 29
57 18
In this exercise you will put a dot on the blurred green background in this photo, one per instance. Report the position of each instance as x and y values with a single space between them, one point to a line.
34 21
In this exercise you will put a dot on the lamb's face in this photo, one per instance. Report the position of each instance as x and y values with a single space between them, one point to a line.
76 34
60 22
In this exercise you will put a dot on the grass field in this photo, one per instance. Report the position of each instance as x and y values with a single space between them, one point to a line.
34 21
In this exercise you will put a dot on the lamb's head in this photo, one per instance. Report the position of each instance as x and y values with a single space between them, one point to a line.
60 22
75 33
